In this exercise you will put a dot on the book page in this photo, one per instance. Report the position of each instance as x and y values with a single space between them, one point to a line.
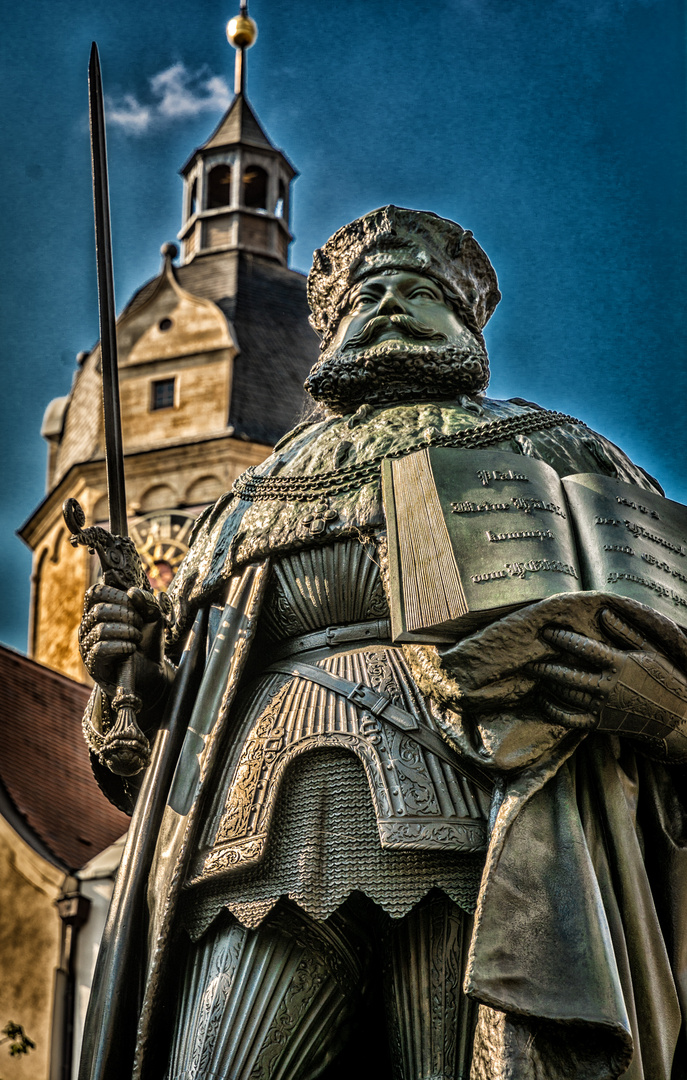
473 532
631 542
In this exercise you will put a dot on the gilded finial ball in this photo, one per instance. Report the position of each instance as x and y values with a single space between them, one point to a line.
242 32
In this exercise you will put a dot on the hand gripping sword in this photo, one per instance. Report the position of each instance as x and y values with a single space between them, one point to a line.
125 749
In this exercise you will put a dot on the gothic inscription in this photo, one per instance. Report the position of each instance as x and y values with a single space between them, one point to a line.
521 570
636 506
647 557
550 535
524 534
477 508
655 586
528 506
656 538
487 475
639 554
640 533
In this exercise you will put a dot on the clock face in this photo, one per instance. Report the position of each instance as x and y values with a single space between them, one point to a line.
161 539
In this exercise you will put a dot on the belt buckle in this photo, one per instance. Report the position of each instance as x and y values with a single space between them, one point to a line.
330 635
376 704
358 694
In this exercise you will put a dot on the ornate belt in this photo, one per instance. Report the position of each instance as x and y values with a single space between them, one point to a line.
379 706
331 636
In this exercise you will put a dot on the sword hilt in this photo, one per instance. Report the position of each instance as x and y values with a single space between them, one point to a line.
125 749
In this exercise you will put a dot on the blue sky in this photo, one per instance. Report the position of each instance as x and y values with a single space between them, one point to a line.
554 129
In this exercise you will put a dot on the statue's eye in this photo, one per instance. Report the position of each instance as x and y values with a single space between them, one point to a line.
422 293
363 300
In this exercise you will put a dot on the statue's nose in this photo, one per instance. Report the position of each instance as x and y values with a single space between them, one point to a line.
390 304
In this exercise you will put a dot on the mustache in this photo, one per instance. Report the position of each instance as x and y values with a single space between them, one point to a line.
409 326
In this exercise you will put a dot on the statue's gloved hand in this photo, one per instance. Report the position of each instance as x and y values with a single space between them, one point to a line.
629 687
116 625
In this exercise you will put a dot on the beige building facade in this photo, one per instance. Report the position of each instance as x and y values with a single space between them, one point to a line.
53 822
29 950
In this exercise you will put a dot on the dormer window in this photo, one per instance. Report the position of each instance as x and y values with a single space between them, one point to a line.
219 187
193 199
255 188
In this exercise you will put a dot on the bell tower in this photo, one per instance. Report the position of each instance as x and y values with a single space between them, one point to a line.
237 184
212 357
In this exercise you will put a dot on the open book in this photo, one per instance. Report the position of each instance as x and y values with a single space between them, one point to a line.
474 534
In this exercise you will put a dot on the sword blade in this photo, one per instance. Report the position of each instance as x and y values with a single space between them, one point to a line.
114 452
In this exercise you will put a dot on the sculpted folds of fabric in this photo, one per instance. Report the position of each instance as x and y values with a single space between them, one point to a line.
327 811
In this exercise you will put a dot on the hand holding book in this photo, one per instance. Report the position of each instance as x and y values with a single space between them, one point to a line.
629 688
521 683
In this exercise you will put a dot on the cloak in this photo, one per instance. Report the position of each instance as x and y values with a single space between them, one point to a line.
572 817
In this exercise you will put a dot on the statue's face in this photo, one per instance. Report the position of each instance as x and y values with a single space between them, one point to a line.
374 307
398 339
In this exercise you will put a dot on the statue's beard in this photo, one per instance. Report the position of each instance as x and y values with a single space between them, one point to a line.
425 366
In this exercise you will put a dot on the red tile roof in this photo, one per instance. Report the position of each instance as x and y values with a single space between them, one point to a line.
44 763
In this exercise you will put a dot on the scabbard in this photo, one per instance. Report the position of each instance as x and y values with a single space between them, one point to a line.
114 1004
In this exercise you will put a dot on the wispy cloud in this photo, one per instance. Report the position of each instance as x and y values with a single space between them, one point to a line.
175 93
128 113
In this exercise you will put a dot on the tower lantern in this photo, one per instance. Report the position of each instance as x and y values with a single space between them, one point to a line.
237 184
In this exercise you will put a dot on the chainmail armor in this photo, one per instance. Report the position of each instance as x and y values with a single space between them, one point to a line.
325 845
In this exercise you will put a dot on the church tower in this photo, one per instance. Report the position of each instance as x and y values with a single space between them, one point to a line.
213 353
237 185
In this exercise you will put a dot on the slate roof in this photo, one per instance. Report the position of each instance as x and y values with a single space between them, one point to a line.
238 125
278 348
48 791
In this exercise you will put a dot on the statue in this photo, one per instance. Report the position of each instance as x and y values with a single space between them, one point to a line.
450 823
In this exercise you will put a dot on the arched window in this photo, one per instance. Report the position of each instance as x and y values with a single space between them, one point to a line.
219 187
280 208
255 188
193 200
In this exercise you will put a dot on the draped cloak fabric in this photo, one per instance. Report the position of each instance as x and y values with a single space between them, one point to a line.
578 955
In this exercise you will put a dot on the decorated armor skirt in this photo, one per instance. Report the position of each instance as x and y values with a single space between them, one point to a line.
319 796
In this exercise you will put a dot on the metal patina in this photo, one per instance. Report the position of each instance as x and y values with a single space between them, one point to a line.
351 853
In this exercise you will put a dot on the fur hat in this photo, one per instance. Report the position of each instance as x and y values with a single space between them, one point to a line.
392 238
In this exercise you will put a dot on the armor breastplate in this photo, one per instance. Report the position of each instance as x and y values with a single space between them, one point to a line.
420 802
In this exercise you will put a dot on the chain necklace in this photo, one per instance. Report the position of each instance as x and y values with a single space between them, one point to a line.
252 488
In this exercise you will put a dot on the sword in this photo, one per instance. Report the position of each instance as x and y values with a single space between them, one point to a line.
125 749
114 452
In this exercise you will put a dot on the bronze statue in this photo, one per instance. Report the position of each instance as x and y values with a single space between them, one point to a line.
485 835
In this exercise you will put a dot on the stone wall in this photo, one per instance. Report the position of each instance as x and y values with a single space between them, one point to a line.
30 933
